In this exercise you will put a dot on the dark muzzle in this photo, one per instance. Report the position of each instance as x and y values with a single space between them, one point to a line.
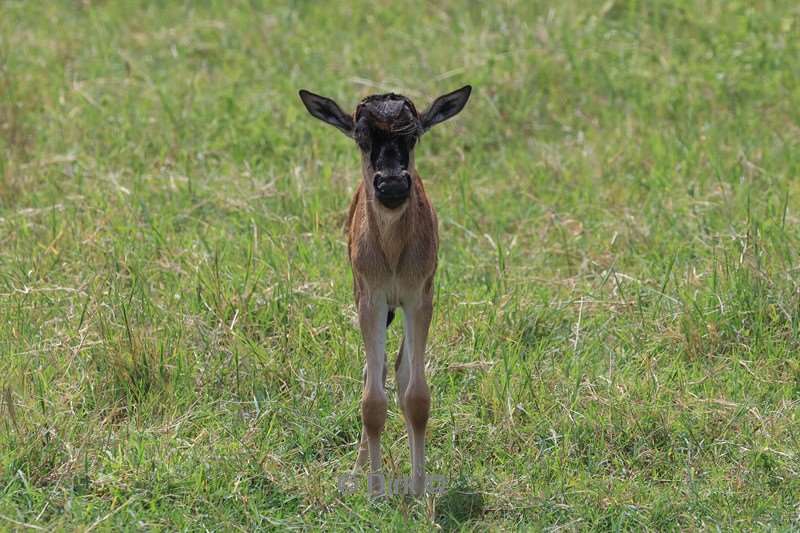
392 190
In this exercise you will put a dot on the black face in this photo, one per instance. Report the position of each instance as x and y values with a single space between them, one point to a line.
389 155
386 130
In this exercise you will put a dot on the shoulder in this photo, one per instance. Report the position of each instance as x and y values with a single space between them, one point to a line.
355 220
354 204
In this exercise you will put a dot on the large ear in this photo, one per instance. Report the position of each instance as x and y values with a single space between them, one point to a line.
446 106
327 111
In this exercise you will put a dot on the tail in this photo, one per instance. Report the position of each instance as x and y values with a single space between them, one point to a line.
389 317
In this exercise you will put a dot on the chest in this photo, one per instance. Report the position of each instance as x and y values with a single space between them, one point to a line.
393 263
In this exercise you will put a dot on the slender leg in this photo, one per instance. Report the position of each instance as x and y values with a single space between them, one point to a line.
363 450
363 453
402 367
416 399
372 319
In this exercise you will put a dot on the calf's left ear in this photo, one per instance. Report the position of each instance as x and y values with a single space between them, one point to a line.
445 107
327 111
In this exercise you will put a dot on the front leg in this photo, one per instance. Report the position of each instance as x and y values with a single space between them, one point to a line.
372 312
363 449
416 397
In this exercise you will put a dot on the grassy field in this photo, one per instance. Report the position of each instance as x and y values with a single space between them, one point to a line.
615 340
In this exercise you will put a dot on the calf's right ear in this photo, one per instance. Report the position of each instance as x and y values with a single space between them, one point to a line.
327 111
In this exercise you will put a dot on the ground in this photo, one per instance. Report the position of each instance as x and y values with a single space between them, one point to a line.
615 336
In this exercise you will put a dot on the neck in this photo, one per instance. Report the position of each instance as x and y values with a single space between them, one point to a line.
392 228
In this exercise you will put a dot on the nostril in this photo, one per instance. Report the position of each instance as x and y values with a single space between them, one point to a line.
407 176
376 179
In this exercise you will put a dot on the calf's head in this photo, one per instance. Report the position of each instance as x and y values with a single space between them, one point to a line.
386 127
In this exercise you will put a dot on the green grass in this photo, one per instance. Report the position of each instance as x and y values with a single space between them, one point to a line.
615 338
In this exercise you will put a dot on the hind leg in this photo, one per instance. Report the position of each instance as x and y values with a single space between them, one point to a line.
402 367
